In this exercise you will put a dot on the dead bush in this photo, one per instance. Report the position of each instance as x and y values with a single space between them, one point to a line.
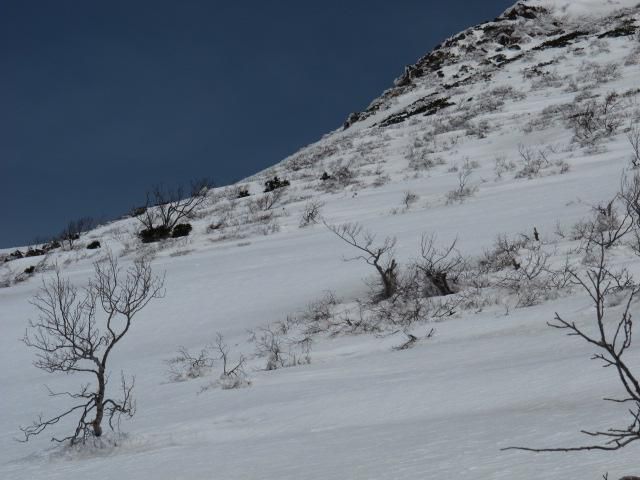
187 366
341 176
533 162
502 166
421 159
529 277
409 198
611 335
380 256
503 253
319 316
593 120
441 268
279 349
165 208
634 140
606 224
268 201
311 214
463 190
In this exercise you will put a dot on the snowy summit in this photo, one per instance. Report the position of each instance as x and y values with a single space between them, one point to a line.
582 8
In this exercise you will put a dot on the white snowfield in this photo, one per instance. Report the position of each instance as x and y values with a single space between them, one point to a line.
489 377
583 8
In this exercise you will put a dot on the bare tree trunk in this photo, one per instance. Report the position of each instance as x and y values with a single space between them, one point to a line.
97 422
389 279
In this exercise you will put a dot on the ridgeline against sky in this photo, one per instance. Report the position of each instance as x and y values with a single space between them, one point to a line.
101 100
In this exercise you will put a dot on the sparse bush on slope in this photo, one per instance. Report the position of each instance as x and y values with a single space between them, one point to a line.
311 214
611 331
188 366
380 256
166 208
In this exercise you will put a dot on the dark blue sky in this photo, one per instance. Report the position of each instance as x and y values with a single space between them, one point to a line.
99 100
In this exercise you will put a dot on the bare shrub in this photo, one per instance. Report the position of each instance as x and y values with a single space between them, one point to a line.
405 308
410 305
279 349
593 120
421 159
356 322
73 337
380 179
380 256
311 156
449 123
548 117
320 314
165 208
630 196
533 162
233 374
409 199
311 214
634 139
342 176
633 58
529 278
502 166
186 366
598 73
547 80
409 343
270 227
506 92
426 291
503 253
611 337
478 129
612 226
463 190
563 166
74 228
268 201
441 268
488 103
606 225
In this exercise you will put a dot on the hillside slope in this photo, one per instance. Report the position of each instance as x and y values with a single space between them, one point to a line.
479 138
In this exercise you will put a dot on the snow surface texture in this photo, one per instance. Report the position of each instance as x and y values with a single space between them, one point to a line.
583 8
491 376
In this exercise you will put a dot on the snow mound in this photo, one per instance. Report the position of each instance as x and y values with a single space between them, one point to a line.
583 8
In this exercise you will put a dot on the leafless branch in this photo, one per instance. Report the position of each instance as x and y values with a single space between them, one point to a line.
380 256
611 339
165 208
69 336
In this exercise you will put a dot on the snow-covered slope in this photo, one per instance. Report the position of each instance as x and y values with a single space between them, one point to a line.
494 107
583 8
